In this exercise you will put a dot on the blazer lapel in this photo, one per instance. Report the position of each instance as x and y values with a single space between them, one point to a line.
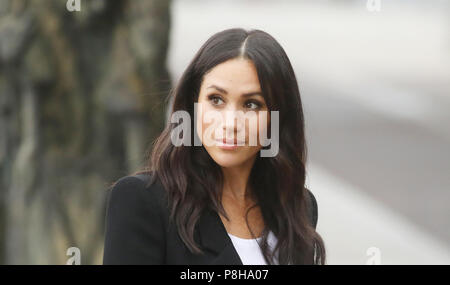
214 238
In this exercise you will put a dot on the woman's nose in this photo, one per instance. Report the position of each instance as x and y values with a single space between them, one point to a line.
232 121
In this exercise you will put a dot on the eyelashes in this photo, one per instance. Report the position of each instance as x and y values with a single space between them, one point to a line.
217 101
213 99
256 103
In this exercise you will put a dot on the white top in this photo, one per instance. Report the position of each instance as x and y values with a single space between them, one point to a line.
249 250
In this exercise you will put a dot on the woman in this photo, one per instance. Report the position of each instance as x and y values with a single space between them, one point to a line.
223 202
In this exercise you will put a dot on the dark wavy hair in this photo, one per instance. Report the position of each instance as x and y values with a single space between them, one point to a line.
194 181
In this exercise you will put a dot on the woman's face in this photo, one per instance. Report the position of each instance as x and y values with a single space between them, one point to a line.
229 111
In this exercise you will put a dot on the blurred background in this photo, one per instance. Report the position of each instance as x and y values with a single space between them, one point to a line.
82 96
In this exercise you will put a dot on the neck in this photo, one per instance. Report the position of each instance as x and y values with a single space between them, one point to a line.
236 183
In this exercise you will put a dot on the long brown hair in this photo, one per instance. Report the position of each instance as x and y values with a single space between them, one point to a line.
194 181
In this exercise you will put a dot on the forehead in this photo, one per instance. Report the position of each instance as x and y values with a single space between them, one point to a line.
235 76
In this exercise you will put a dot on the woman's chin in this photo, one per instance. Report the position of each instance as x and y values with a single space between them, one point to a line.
228 158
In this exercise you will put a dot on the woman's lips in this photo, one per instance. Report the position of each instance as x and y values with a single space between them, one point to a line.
229 144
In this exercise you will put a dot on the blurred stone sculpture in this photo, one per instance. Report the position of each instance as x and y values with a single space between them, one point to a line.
81 96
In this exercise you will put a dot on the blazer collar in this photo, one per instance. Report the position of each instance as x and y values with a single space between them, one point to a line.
214 238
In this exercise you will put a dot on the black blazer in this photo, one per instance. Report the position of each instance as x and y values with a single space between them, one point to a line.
137 228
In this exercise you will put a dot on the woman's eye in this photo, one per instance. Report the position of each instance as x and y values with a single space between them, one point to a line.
215 99
253 105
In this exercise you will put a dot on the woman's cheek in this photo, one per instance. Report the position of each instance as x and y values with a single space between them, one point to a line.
210 121
253 133
199 122
263 130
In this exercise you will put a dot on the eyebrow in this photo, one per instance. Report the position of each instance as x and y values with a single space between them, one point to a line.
220 89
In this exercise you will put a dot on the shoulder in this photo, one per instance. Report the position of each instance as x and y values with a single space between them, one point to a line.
143 183
135 225
136 192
